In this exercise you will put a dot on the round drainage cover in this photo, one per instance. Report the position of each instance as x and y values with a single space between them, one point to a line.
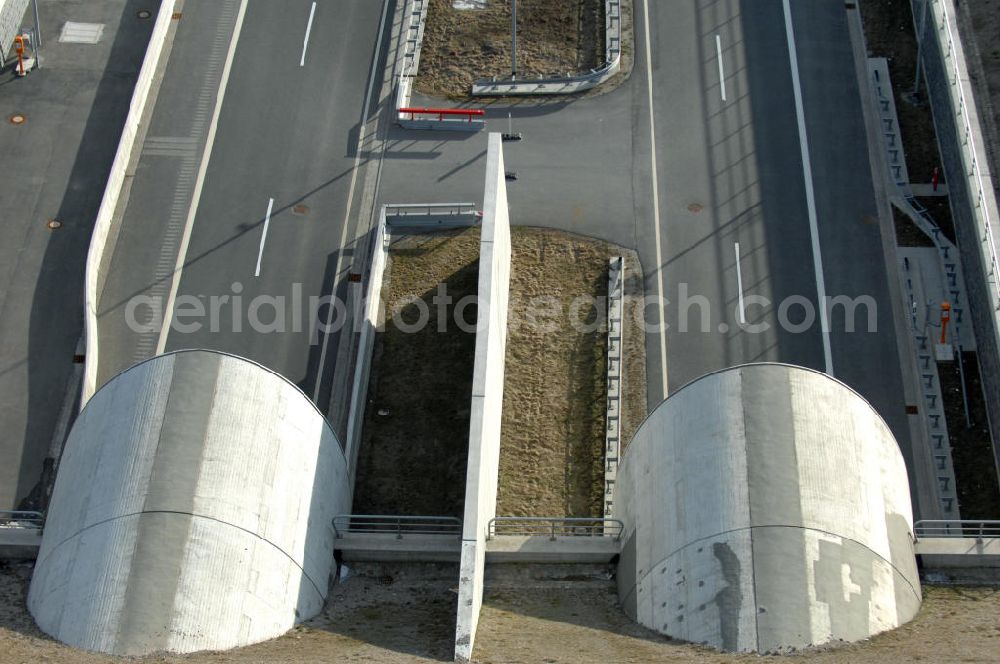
54 224
300 209
17 119
696 208
144 13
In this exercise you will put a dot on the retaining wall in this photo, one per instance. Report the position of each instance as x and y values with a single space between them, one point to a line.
766 508
487 397
103 224
11 18
192 511
970 185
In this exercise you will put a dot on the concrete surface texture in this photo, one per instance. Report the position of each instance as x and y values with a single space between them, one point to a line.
767 509
11 13
487 397
193 511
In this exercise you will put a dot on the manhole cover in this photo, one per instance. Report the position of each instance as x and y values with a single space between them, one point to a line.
144 13
300 209
696 208
54 224
17 119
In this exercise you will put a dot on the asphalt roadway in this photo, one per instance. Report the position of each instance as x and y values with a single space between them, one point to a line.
726 167
55 166
273 203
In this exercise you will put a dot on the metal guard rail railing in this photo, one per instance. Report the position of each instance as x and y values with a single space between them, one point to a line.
399 526
446 114
555 527
21 519
955 79
956 528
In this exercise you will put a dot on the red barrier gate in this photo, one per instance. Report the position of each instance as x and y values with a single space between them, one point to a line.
469 113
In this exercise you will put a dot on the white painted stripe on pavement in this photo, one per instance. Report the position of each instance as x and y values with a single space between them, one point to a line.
347 212
305 42
168 314
656 202
739 285
263 236
810 189
722 71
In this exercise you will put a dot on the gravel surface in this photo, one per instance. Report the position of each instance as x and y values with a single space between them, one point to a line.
405 615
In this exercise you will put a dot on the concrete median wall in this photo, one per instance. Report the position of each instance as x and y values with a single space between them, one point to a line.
487 397
970 187
101 242
766 508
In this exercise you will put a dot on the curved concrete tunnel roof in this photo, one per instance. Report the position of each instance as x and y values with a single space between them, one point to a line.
192 511
767 508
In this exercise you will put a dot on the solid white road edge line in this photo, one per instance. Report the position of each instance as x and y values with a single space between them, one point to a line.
263 236
810 190
722 71
350 201
168 313
305 41
739 286
656 202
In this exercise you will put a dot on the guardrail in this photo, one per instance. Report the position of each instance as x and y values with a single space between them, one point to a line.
387 524
956 528
553 527
571 83
21 519
445 114
984 196
441 119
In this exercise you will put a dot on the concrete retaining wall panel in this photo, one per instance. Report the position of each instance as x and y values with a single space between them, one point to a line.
766 508
487 397
192 511
11 21
967 209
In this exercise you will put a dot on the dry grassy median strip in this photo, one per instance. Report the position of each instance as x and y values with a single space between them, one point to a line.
555 37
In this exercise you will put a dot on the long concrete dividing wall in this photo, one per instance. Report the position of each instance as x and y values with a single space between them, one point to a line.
487 397
970 185
104 224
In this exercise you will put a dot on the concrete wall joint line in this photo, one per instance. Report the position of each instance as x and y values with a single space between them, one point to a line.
179 513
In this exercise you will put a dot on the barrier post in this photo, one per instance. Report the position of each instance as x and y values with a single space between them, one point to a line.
945 317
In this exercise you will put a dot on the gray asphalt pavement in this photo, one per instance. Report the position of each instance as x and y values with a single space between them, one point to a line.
55 167
286 141
729 169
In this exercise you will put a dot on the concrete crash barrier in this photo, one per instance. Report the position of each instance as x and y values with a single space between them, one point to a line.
564 85
192 511
97 257
487 397
766 508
